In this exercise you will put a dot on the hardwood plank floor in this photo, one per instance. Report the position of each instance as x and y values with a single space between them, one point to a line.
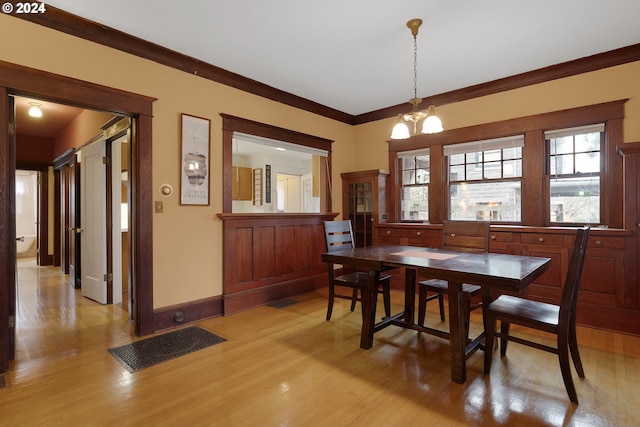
290 367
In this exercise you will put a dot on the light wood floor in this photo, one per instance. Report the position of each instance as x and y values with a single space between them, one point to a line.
290 367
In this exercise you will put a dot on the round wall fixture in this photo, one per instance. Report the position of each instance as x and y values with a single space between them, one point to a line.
165 190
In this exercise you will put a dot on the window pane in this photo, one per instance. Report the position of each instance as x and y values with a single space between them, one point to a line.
562 164
492 156
562 145
512 168
456 159
474 172
415 188
415 203
494 201
587 162
587 142
408 177
408 162
575 200
456 173
492 170
512 153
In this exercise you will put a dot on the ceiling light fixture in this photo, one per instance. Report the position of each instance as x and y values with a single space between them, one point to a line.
432 123
35 110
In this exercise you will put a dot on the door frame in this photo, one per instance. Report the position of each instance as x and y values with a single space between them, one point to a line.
25 81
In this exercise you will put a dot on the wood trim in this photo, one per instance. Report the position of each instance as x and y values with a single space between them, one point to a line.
65 22
252 298
7 231
31 82
267 257
587 64
534 182
15 79
141 228
232 124
192 311
60 20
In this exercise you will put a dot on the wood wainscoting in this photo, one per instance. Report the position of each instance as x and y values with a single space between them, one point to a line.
268 257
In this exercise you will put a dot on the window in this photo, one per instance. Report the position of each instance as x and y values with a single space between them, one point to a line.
415 185
574 165
485 179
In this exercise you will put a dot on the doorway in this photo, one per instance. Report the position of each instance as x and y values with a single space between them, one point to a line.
18 80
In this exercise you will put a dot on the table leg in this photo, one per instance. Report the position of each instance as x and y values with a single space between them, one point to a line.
369 305
409 294
457 338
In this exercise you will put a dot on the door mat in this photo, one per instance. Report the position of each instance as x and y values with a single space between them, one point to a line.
151 351
282 303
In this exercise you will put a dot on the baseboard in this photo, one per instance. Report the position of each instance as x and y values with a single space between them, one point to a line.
259 296
189 312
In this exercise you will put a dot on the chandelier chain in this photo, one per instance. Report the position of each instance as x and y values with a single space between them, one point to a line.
415 66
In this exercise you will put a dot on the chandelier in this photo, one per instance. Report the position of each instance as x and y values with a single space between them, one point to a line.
431 123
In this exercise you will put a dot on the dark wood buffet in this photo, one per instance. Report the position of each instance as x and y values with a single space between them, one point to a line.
608 298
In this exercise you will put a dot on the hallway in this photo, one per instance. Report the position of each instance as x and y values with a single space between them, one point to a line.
289 367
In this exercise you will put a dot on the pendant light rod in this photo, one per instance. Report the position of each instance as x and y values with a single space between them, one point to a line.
432 123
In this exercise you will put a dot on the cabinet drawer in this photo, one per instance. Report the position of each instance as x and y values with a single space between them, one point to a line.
606 242
390 232
542 239
501 237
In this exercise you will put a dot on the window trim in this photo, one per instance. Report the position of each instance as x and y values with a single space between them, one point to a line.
411 154
559 133
533 189
515 141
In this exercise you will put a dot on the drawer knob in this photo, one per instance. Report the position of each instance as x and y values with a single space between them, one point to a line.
598 242
493 237
388 231
418 233
453 234
541 239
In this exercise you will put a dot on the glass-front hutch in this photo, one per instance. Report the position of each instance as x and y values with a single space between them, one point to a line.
364 202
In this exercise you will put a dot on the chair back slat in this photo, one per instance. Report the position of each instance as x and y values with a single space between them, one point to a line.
338 234
466 236
574 273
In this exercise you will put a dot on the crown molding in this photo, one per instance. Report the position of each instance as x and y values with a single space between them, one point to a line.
68 23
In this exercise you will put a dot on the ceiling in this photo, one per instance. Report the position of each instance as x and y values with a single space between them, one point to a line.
356 56
55 117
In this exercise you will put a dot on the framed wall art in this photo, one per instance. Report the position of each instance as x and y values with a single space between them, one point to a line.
194 161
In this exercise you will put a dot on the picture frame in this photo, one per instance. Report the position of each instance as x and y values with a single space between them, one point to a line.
194 160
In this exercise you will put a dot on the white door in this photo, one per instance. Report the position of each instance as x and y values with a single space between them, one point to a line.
93 217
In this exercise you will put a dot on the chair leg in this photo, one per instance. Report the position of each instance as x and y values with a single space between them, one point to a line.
331 298
386 296
422 305
573 347
504 337
441 304
354 298
467 316
565 368
489 343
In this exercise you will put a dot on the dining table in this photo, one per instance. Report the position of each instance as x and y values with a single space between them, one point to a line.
494 272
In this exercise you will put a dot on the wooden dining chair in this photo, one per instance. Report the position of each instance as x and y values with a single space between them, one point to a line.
556 319
461 236
339 235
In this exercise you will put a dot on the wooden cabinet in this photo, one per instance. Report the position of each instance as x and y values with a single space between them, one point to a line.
605 300
425 235
242 183
364 202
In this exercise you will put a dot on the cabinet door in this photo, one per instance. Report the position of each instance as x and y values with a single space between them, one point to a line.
364 202
549 284
603 276
359 195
